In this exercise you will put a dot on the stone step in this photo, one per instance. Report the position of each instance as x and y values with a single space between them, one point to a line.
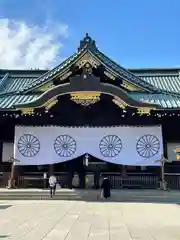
90 195
37 193
44 195
36 197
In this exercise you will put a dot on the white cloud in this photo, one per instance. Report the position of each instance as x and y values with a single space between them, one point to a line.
24 46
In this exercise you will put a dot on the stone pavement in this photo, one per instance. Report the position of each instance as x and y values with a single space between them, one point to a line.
70 220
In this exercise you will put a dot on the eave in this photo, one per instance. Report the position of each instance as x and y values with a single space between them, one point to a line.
91 84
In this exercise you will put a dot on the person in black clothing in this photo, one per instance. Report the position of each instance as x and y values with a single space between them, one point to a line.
106 188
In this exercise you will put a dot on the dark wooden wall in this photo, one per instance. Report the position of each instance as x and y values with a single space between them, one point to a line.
103 113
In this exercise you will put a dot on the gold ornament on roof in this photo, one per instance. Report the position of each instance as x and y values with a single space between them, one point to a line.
85 98
119 102
109 75
27 111
144 110
49 104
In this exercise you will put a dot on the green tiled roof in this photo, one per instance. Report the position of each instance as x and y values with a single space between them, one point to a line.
166 101
17 81
165 83
16 84
13 81
8 101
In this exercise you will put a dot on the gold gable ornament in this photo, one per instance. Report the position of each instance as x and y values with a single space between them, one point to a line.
85 98
87 58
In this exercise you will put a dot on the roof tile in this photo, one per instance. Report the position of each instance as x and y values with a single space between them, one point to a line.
9 101
166 101
165 83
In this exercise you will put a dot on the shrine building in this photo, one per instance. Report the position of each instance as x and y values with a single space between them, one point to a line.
87 115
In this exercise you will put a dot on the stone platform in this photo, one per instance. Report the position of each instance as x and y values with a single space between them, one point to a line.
89 195
80 220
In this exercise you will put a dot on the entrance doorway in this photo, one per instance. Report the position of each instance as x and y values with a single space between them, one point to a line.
82 172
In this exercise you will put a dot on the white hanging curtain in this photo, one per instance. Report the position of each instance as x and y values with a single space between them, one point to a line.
121 145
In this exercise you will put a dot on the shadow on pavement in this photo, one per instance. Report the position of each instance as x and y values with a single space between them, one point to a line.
3 207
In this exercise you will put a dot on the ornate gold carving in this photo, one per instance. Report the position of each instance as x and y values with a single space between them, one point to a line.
131 87
88 68
87 58
66 75
27 111
49 104
109 75
144 110
85 98
119 102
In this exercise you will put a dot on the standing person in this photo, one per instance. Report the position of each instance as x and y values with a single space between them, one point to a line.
106 188
45 180
52 185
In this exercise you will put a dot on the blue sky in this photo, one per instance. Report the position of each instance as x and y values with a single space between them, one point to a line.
135 33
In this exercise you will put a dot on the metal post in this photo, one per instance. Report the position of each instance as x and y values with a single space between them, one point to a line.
163 183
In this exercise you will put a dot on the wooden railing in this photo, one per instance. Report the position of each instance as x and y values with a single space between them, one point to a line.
133 181
173 181
117 181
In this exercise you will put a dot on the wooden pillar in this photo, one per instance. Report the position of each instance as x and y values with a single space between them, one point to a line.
163 183
123 170
51 169
14 173
70 179
11 181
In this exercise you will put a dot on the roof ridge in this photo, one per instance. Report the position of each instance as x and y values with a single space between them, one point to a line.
140 79
54 70
127 71
123 72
